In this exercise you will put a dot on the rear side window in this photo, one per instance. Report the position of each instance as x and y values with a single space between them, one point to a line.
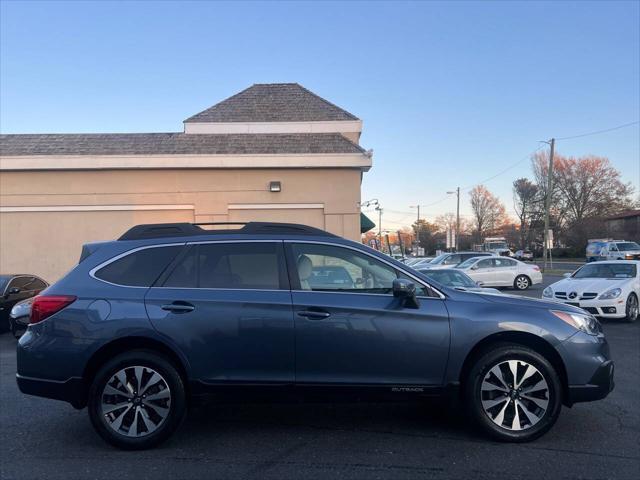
244 266
140 268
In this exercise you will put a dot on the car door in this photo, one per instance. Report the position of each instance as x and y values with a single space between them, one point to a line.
227 305
358 333
505 271
484 272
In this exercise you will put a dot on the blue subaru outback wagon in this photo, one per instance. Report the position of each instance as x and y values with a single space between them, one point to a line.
170 312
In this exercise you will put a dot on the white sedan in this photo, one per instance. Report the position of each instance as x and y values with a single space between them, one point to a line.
501 272
606 289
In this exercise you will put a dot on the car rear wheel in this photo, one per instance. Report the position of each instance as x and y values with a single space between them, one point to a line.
137 400
521 282
513 393
632 309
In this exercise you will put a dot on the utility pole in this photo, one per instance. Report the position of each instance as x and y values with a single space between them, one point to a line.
379 209
418 228
547 205
457 217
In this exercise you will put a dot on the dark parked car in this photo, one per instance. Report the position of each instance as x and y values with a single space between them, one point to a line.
15 288
170 312
454 278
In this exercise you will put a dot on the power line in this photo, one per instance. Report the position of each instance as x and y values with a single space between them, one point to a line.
597 132
526 157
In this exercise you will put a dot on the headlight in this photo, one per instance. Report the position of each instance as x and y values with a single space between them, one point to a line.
547 292
585 322
609 294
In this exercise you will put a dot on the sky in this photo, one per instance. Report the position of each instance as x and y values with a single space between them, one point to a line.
451 94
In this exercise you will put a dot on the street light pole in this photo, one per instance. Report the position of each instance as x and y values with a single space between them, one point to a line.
457 193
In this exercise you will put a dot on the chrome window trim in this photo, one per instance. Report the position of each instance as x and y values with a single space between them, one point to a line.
410 275
92 272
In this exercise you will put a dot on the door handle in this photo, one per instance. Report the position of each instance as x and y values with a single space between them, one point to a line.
175 307
314 314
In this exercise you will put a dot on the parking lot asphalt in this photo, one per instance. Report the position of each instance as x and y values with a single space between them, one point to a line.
43 438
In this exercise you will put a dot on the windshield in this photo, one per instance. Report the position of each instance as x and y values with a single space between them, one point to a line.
440 258
627 246
3 283
606 270
468 263
451 278
496 245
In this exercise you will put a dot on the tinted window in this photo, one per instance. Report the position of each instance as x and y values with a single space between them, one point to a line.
185 273
487 263
452 260
139 269
504 262
365 274
38 284
21 282
252 265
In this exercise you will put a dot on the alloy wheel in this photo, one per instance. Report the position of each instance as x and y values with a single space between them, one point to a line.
632 308
514 395
135 401
522 283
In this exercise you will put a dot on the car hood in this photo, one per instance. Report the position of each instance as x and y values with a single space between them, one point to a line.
581 285
530 302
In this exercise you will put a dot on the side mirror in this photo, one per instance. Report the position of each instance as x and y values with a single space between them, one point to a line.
405 290
14 290
479 283
567 275
475 267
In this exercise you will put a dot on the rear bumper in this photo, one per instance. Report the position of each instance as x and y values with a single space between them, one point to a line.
600 385
73 390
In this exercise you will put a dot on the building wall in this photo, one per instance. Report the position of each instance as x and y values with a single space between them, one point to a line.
46 216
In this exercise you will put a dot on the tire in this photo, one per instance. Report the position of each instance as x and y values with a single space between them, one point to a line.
150 421
632 308
521 282
497 418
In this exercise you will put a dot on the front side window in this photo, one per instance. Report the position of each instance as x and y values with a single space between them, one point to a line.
452 260
140 268
330 268
243 266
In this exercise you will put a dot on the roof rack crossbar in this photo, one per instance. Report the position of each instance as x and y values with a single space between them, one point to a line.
163 230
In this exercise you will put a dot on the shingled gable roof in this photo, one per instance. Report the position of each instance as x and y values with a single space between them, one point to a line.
175 144
273 102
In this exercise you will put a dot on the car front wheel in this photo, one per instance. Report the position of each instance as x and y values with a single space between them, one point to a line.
632 308
137 400
513 393
521 282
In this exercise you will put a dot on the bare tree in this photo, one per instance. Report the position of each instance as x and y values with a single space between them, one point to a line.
525 200
586 190
488 212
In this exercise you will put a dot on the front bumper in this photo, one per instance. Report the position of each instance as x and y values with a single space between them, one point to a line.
600 385
615 308
72 390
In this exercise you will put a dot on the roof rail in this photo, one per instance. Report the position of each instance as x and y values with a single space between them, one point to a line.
160 230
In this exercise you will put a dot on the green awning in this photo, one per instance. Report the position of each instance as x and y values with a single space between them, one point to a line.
365 223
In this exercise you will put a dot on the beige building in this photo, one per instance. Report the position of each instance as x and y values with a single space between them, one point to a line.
273 152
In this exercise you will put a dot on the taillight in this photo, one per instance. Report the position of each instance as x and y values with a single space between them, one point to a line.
536 268
44 306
